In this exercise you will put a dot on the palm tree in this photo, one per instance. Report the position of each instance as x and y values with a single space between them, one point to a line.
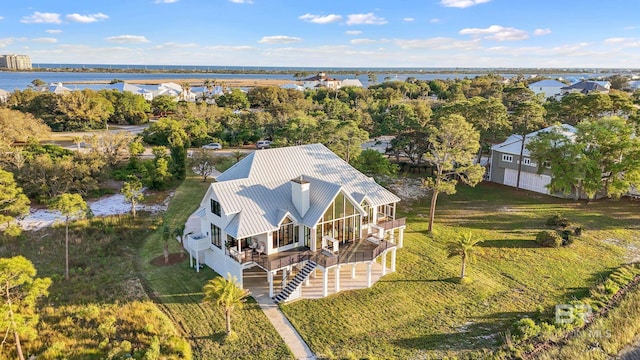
225 293
462 247
179 232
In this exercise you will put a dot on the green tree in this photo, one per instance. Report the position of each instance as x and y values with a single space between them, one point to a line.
179 232
38 84
203 163
71 206
226 294
17 126
13 203
235 100
452 146
162 105
132 191
85 109
20 292
372 162
528 116
462 247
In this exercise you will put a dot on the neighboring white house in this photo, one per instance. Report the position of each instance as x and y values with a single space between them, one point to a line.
294 212
58 88
321 80
174 90
549 88
505 160
4 95
123 86
351 82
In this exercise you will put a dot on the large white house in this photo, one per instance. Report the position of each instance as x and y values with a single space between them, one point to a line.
295 212
548 88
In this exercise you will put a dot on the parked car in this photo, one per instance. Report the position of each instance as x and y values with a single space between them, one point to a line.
213 146
263 144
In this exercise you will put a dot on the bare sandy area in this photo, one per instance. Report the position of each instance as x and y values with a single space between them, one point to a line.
200 82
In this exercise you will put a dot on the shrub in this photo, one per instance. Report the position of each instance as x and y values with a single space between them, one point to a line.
577 231
558 221
525 329
567 237
548 239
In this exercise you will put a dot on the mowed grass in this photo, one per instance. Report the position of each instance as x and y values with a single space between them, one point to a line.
422 312
178 289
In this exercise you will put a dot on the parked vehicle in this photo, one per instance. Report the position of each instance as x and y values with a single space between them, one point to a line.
213 146
263 144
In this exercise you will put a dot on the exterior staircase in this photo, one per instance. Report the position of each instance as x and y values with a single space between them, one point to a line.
295 282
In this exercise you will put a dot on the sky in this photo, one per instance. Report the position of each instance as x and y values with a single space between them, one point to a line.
326 33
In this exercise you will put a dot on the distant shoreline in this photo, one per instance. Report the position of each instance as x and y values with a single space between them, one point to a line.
195 82
175 69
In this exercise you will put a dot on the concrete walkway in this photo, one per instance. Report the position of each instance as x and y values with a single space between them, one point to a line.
255 281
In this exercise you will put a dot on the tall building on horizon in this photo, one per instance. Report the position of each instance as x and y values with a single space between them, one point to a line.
15 62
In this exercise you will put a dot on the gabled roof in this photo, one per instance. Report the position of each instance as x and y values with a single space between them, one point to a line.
256 191
351 82
586 86
547 83
513 143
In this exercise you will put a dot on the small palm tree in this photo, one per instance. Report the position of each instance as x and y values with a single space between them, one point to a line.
462 247
227 294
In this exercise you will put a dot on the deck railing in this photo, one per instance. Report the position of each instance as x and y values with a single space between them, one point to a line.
392 224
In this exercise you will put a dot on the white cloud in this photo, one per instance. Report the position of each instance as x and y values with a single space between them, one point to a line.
128 39
353 32
85 19
42 18
173 45
53 31
539 32
1 17
365 19
242 1
435 21
497 33
408 19
230 48
279 39
438 43
462 3
165 1
46 40
362 41
317 19
4 42
623 42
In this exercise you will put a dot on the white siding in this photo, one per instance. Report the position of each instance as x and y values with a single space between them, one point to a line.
528 181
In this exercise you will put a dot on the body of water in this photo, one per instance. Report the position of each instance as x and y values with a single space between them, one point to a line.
10 80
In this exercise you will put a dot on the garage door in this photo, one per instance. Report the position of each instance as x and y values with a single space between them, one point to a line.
528 181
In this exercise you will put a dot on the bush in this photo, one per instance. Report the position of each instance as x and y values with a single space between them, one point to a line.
525 329
567 237
577 231
558 221
549 239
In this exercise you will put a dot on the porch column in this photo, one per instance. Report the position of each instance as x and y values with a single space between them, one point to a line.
393 260
384 263
197 261
400 237
353 271
190 258
369 264
392 238
325 289
338 278
284 277
270 278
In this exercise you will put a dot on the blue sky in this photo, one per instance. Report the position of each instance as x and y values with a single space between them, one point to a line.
326 33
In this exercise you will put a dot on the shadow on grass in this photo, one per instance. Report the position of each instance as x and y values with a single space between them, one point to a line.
453 280
509 244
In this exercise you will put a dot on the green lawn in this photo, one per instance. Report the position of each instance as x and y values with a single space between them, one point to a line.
421 311
178 288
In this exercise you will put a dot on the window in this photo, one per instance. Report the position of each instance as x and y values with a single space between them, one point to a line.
507 158
286 235
215 207
216 236
528 162
368 213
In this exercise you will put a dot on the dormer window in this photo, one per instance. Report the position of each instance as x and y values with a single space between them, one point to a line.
215 207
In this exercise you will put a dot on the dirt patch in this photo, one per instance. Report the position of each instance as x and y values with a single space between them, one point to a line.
174 258
409 189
